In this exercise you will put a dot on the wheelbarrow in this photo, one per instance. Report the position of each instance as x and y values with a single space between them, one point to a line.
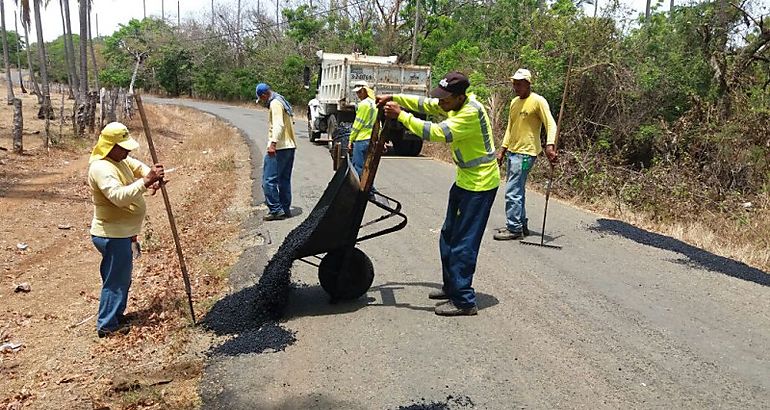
346 272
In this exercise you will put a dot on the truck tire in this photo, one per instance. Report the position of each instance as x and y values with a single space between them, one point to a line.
409 145
346 274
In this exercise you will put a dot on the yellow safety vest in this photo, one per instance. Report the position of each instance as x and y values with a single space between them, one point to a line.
366 113
467 130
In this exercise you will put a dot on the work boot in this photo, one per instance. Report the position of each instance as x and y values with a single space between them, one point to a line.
524 230
437 294
278 216
449 309
121 330
507 235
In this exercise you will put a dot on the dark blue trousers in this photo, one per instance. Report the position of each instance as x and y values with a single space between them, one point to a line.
466 217
276 180
116 279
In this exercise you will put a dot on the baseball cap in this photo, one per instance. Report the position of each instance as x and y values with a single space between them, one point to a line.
522 74
262 88
454 83
359 85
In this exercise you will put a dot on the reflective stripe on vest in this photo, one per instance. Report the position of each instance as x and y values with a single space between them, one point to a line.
490 152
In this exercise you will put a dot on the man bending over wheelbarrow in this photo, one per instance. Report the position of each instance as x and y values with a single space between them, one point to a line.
468 131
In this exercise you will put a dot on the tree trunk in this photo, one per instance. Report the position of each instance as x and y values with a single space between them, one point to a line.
647 11
45 109
67 54
6 58
18 56
413 60
83 50
18 126
35 87
93 53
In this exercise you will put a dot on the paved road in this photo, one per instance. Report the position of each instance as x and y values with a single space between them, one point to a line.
620 318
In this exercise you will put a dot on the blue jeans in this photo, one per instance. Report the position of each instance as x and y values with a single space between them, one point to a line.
116 279
359 155
518 166
276 180
466 217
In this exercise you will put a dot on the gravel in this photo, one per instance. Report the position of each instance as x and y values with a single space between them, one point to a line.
451 402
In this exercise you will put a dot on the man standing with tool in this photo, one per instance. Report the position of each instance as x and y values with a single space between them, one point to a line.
279 158
520 148
117 184
361 133
468 131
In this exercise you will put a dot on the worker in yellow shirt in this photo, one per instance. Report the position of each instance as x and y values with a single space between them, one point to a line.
520 148
468 131
279 157
361 132
117 183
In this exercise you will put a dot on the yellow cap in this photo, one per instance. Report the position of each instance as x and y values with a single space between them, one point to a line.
113 134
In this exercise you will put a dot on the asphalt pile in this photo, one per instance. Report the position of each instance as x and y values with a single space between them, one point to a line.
451 402
253 312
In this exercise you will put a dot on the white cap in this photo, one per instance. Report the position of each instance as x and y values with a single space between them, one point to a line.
359 85
522 74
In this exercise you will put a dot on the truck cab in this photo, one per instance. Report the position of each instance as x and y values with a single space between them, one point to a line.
333 109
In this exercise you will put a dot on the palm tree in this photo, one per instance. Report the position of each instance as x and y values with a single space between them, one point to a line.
67 53
23 6
18 50
93 53
45 109
83 50
6 59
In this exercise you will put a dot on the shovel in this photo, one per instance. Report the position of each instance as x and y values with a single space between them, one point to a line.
545 214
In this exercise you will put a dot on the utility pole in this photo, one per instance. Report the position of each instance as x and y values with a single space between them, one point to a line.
144 6
596 8
163 10
212 13
413 60
178 14
97 25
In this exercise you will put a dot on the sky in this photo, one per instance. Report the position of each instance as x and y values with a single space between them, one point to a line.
111 13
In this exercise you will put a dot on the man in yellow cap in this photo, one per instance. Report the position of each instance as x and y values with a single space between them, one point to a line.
520 148
117 184
361 133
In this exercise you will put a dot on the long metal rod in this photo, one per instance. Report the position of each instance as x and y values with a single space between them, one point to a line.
171 220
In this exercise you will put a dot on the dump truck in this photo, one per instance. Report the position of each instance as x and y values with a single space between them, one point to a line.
333 107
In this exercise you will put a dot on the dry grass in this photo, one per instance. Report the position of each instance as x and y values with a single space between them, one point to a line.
158 364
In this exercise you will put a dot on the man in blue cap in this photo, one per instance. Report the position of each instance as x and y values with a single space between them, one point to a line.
279 156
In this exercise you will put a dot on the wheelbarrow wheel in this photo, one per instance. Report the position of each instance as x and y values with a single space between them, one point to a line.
346 274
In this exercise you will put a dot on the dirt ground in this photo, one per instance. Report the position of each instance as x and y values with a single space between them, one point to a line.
46 205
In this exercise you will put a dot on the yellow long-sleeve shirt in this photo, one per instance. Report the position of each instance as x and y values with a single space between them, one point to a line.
525 120
280 127
366 113
116 190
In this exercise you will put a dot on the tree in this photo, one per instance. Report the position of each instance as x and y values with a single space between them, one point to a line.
6 58
46 110
84 50
17 43
25 22
67 54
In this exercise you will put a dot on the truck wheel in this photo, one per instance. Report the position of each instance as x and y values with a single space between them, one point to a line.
346 274
407 146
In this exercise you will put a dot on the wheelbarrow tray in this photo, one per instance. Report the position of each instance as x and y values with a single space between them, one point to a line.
342 208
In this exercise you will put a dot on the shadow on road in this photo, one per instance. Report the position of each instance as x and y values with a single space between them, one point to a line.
314 301
697 257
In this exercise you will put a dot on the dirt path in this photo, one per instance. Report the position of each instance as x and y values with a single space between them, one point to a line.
619 318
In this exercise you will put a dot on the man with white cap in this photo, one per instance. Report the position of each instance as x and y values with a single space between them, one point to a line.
520 148
361 132
117 183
